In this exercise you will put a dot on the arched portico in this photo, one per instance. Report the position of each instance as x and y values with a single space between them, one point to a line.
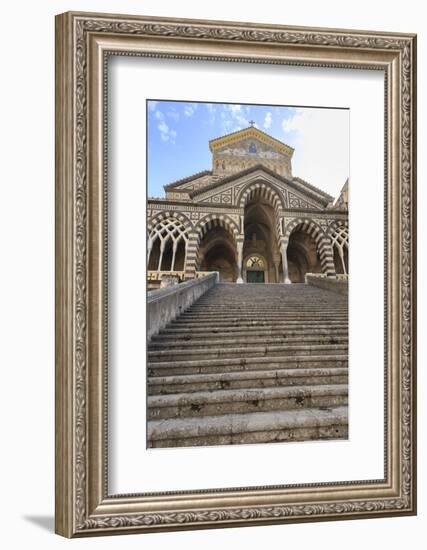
261 203
305 249
217 246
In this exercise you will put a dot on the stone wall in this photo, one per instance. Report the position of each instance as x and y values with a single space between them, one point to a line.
336 285
165 304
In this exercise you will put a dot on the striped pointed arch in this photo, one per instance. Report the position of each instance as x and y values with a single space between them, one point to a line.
266 191
217 220
323 241
263 190
306 225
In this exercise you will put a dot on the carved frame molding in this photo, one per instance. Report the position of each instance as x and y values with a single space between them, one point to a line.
83 43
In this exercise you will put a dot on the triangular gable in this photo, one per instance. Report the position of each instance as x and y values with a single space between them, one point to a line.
226 190
250 133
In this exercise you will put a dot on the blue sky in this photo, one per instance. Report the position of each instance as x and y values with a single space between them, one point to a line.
179 132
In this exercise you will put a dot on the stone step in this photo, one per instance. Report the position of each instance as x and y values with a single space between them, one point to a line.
171 335
273 307
237 298
195 327
260 427
242 364
265 311
243 352
226 317
245 400
251 363
160 385
172 344
275 304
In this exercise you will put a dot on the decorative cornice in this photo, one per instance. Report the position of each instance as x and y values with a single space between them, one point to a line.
193 207
177 183
307 185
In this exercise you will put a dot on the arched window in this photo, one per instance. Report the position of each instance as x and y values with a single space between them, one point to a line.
255 262
340 242
166 238
252 148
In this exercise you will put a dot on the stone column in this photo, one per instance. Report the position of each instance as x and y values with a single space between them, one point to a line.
276 271
240 262
284 253
341 253
149 249
162 249
175 246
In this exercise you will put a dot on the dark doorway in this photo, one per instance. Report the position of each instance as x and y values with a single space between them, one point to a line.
255 276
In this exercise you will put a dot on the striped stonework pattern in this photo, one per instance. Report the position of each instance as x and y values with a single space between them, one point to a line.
191 255
217 220
267 192
323 242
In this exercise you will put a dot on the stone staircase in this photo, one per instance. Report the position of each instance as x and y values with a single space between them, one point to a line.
251 363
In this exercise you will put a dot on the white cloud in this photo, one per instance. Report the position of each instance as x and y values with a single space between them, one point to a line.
267 120
211 108
166 133
321 141
238 121
152 105
190 109
174 115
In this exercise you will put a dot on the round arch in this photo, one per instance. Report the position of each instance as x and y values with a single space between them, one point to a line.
307 225
255 268
263 189
320 238
216 220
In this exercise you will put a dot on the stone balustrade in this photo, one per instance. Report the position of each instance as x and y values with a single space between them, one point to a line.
165 304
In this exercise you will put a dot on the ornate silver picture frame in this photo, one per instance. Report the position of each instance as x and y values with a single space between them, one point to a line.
84 43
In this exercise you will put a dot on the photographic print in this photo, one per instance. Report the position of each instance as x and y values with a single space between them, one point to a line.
247 273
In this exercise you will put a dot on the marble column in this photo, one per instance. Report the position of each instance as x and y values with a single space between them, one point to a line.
162 249
341 253
276 271
149 249
175 246
239 262
284 253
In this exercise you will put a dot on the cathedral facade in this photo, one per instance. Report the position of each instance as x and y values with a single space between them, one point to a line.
248 218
